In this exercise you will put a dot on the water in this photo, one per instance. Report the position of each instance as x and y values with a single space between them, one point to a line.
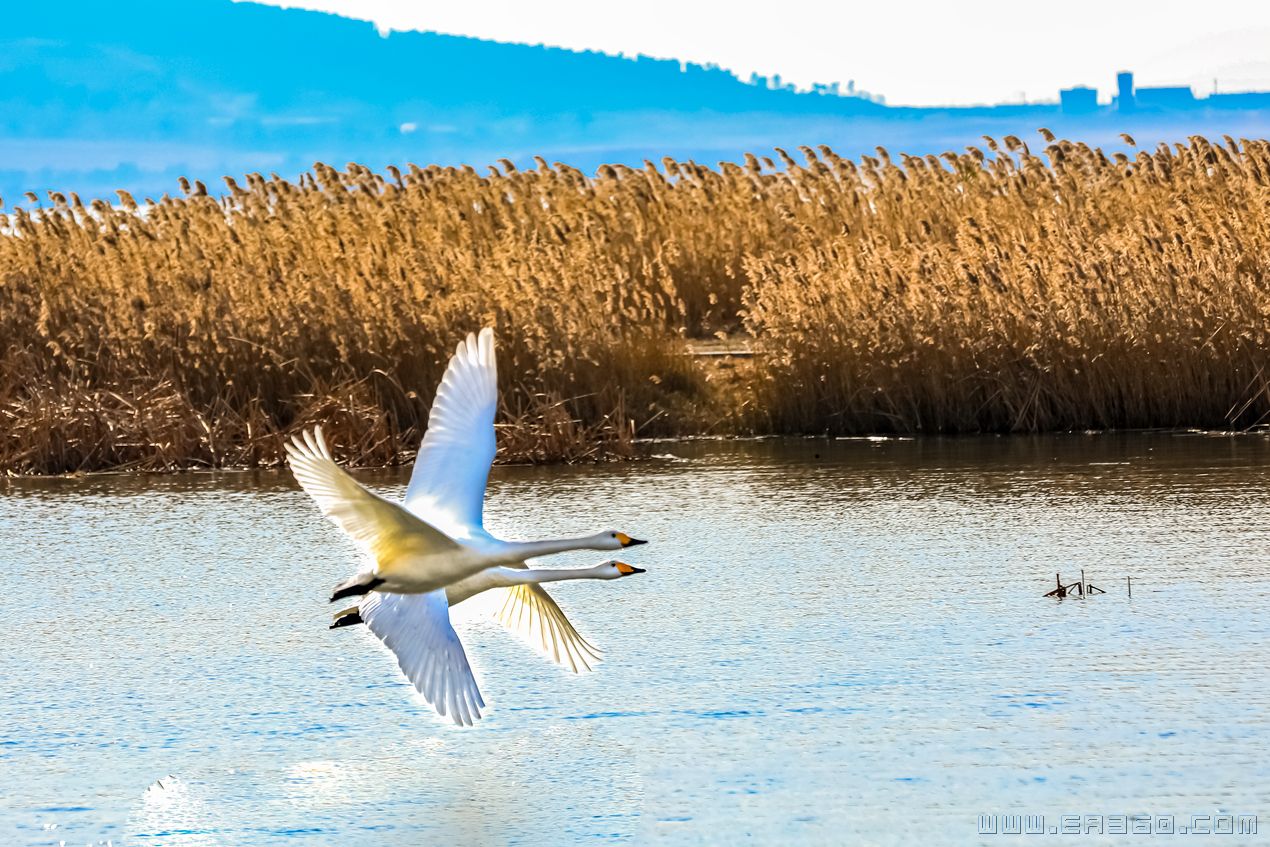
836 642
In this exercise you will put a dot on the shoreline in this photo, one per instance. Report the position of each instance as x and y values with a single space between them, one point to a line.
645 443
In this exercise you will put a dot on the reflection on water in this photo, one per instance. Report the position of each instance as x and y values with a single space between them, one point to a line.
836 641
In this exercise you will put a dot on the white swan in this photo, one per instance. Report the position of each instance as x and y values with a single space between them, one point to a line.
413 554
438 539
524 608
417 629
520 603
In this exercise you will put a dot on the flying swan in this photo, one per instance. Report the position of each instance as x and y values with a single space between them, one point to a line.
436 538
416 627
523 607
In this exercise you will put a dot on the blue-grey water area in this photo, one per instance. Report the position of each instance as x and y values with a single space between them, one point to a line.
836 641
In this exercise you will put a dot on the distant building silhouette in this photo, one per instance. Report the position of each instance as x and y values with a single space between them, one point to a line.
1259 100
1079 100
1159 98
1124 91
1164 97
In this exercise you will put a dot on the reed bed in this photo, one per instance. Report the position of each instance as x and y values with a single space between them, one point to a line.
1001 291
990 290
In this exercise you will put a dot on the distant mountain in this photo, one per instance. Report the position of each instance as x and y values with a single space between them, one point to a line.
151 85
95 96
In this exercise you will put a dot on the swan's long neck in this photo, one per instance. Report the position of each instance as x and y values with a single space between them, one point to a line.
518 551
533 576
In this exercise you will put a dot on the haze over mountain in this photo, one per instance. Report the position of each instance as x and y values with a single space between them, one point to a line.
96 96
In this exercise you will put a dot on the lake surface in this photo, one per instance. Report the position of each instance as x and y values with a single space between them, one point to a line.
836 642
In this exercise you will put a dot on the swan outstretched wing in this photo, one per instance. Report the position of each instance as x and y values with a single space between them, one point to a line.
386 529
416 628
447 485
530 613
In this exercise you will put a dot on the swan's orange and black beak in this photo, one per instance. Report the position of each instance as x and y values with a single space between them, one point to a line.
627 541
626 570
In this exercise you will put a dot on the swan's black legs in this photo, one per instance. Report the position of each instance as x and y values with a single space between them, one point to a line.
356 587
352 617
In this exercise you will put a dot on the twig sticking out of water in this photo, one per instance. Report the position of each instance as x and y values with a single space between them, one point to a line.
1080 588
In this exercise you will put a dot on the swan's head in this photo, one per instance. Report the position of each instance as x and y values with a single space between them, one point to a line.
613 569
614 540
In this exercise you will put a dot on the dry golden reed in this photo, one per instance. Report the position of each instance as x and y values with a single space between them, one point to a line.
999 290
1019 293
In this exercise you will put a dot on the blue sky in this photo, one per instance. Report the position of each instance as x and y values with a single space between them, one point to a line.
920 52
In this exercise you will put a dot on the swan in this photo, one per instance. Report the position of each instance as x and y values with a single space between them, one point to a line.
413 554
525 609
436 538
